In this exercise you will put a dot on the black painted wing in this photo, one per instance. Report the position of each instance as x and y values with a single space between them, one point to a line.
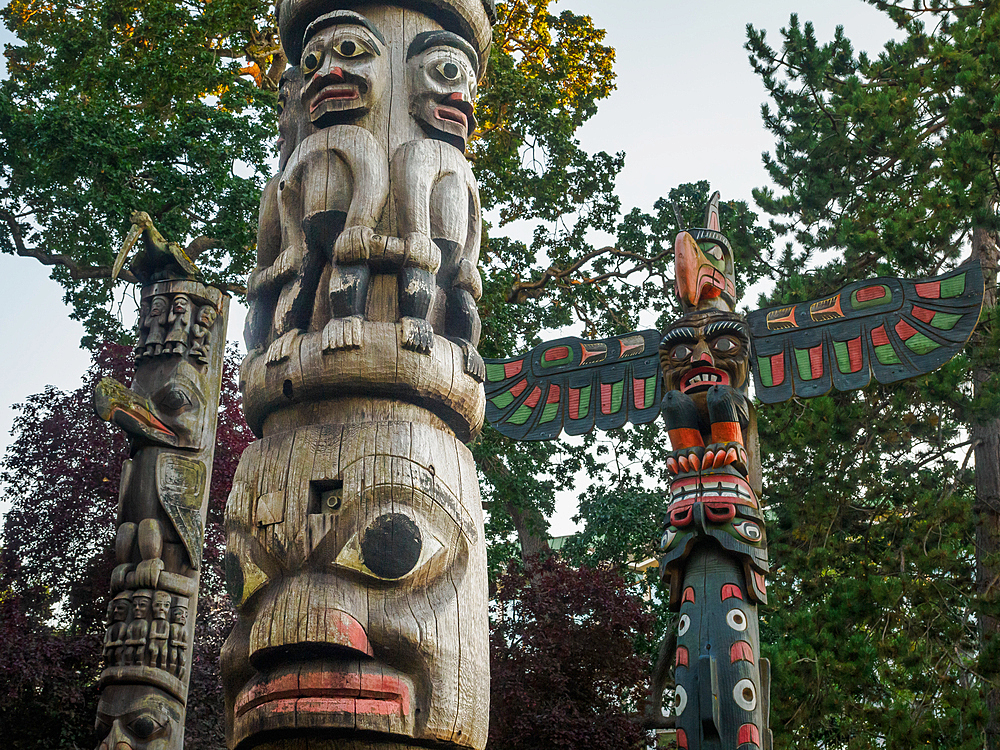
892 328
575 385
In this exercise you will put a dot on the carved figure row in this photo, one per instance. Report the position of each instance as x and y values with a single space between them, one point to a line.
147 629
334 181
174 325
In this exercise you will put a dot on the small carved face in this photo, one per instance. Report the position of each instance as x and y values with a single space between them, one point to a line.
206 316
161 605
157 309
181 305
442 82
136 717
344 69
140 604
703 349
120 611
179 615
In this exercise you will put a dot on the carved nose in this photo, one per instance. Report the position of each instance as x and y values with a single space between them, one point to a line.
455 97
703 355
336 72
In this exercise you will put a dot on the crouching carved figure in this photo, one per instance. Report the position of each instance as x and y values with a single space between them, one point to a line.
169 414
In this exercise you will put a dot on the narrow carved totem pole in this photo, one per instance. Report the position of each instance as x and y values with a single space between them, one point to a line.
170 415
696 374
356 557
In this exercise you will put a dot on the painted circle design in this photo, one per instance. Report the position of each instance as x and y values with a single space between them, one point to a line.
680 700
745 695
683 625
750 531
390 546
667 539
737 619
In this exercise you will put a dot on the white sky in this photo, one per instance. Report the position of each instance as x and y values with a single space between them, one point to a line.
687 108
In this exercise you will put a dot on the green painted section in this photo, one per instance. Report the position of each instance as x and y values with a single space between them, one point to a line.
549 412
556 362
802 361
945 321
843 356
584 402
521 415
953 287
494 372
650 392
887 355
921 344
764 368
886 300
503 400
617 390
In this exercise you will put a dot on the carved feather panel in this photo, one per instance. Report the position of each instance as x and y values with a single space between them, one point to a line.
575 385
891 328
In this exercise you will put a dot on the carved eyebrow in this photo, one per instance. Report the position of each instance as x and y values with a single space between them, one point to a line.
342 17
678 335
726 326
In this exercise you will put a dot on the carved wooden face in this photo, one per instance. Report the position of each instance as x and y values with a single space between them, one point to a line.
136 717
703 349
345 70
290 114
442 83
351 590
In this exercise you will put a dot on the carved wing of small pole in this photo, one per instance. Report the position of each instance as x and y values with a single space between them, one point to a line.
575 385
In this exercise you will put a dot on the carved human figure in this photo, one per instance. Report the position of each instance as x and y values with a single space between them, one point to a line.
137 717
179 320
138 629
114 638
159 630
437 197
177 656
143 320
156 323
201 336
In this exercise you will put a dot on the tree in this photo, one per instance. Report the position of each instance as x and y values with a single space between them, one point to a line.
115 106
551 686
60 477
890 162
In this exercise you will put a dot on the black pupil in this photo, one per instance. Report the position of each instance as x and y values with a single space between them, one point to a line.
391 545
312 61
143 726
450 70
348 48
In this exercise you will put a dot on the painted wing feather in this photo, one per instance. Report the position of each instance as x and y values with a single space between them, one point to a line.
892 329
574 385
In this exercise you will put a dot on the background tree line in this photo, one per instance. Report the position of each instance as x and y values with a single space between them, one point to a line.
883 503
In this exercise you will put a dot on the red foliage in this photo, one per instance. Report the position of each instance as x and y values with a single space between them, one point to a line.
565 673
60 477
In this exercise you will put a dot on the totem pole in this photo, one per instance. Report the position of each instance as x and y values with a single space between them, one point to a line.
356 556
170 415
714 551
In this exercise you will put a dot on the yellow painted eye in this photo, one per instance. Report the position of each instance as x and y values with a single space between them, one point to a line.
311 63
449 70
349 48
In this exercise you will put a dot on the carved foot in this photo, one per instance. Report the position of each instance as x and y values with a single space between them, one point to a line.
281 349
354 245
718 455
147 573
120 577
422 252
342 333
418 335
474 364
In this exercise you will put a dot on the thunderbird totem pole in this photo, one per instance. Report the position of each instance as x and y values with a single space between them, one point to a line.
170 415
714 551
356 557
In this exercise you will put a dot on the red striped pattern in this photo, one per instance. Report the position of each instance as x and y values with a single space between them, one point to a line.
574 403
749 733
816 361
870 293
777 369
740 651
904 330
606 398
559 352
854 352
880 337
532 400
553 396
923 314
518 389
929 290
512 368
639 392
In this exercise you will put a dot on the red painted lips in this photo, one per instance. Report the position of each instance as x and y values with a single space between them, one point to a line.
703 378
335 92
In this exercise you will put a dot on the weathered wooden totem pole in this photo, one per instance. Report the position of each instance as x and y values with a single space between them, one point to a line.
355 533
170 415
714 552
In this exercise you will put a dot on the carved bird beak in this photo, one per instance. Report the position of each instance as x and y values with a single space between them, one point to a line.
130 239
113 402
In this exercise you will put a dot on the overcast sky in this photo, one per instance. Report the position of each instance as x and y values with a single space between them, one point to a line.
686 108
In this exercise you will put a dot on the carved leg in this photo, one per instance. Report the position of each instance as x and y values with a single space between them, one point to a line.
683 424
464 327
416 293
147 573
348 297
123 553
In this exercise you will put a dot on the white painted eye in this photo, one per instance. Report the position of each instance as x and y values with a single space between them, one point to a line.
745 695
716 252
683 625
737 619
668 538
748 530
680 700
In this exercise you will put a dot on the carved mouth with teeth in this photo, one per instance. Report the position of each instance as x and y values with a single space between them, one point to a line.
702 378
456 112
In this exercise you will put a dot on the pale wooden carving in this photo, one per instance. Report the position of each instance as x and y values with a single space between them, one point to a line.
170 415
355 531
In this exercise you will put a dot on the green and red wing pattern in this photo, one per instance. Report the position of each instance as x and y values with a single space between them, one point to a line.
575 385
891 328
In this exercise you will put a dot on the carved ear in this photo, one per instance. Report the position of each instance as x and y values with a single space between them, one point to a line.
712 213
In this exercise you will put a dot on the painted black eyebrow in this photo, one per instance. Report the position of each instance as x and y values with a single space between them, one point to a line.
342 17
727 326
427 39
677 335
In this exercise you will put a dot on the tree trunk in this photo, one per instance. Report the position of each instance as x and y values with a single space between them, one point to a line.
986 439
532 529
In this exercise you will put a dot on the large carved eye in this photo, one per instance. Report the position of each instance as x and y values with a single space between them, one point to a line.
681 351
449 70
725 344
389 548
349 48
147 726
715 251
745 695
175 400
310 63
748 530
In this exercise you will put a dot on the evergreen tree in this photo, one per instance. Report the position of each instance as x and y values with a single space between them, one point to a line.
886 165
